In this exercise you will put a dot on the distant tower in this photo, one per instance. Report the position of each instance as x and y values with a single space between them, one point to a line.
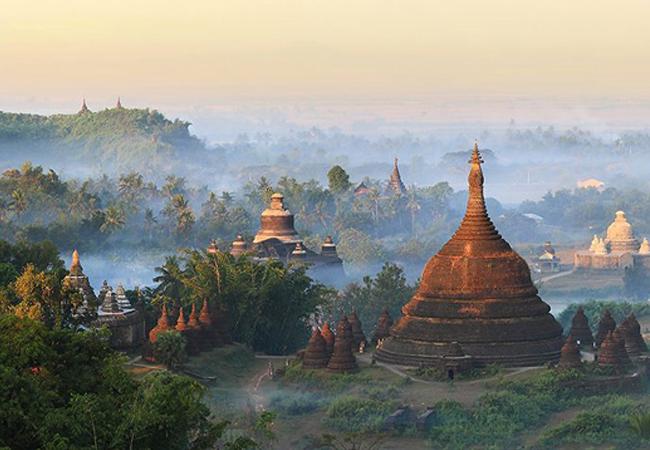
84 108
395 183
119 104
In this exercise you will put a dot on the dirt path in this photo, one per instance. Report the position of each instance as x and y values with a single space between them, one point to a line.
554 276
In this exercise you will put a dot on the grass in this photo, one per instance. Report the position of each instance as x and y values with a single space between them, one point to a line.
434 374
352 414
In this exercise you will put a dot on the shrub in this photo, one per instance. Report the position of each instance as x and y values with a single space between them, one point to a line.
295 404
358 415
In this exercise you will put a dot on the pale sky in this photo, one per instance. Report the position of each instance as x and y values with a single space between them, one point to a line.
205 51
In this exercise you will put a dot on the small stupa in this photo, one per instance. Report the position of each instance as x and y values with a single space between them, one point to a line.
328 336
118 105
395 184
161 326
122 299
617 335
644 249
208 336
608 354
634 342
342 359
606 324
299 251
580 329
193 332
76 280
570 354
382 329
316 356
238 247
109 304
180 322
328 248
594 243
357 331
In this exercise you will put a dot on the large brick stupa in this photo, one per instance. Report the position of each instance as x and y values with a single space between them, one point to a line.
476 291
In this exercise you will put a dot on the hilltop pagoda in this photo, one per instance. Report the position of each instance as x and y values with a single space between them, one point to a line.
77 280
476 291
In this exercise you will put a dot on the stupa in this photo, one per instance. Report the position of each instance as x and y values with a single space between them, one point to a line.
342 359
193 332
78 281
181 326
328 248
395 183
161 326
620 236
382 329
316 355
619 340
580 329
357 331
238 247
644 249
634 342
327 334
277 222
608 354
570 355
208 336
606 324
478 292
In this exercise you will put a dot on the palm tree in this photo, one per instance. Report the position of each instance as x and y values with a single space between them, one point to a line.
113 220
18 202
170 279
413 206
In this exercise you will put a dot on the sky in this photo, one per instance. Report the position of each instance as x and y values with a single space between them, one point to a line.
352 55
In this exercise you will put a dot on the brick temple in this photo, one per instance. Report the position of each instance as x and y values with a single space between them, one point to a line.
476 292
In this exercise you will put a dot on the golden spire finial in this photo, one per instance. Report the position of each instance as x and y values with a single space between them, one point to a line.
75 257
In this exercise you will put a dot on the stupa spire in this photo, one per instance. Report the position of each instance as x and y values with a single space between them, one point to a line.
84 107
75 267
396 183
476 224
119 104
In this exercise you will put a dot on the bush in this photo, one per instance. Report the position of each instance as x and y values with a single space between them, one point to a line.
295 404
358 415
169 349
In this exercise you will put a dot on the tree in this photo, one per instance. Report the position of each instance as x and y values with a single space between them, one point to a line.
64 389
338 180
113 219
169 349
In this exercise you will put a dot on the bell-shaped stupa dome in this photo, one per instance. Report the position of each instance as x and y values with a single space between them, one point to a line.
277 222
620 236
476 291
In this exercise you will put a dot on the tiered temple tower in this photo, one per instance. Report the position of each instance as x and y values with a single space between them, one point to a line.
478 292
395 183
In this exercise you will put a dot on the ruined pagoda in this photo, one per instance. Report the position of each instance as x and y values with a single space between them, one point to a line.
316 355
476 291
580 329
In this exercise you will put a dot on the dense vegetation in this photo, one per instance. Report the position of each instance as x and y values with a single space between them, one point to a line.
65 389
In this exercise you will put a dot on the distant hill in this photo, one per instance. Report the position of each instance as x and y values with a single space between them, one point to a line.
116 139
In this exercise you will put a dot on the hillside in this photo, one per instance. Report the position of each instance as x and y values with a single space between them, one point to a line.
116 139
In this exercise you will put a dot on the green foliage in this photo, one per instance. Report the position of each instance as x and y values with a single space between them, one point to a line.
65 389
358 415
640 425
169 349
338 180
318 379
594 310
387 290
267 304
295 404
